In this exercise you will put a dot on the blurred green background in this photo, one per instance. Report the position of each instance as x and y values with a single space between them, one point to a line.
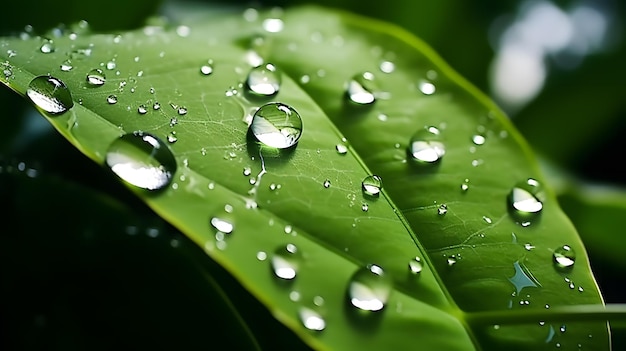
555 67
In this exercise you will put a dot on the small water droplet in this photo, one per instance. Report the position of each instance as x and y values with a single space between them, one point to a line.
261 256
426 87
487 220
442 210
273 25
369 288
285 262
142 109
276 125
478 139
327 183
222 225
50 95
415 265
206 69
141 159
311 319
156 106
372 185
263 81
66 66
564 257
451 260
387 66
247 171
96 77
365 207
288 229
529 246
360 89
341 149
426 146
526 200
182 111
47 47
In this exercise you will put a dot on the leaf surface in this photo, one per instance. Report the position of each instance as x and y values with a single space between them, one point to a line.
476 257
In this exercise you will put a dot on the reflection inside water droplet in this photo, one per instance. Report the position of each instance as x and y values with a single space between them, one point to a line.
360 89
286 261
426 146
372 185
141 159
263 81
564 257
369 288
50 95
277 125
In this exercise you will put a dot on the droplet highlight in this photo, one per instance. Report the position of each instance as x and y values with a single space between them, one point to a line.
369 288
141 159
263 81
276 125
50 95
564 257
426 146
360 89
286 261
96 77
526 200
371 185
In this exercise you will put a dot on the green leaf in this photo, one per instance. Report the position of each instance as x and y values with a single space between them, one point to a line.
247 205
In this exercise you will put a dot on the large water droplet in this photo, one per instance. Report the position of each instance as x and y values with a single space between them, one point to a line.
276 125
526 200
415 265
263 81
142 160
426 146
564 257
360 89
369 288
522 278
372 185
96 77
50 95
286 261
311 319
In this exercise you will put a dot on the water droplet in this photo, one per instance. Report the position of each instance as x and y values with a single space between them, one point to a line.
47 47
426 146
142 109
276 125
487 220
478 139
156 106
426 87
365 207
141 159
369 288
529 246
451 260
341 149
327 183
66 66
206 69
112 99
564 257
50 95
222 225
360 89
273 25
526 200
387 66
182 110
311 319
263 81
286 261
96 77
415 265
247 171
371 185
442 210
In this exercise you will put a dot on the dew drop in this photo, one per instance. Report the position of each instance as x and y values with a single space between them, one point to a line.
478 139
222 225
365 207
247 171
156 106
206 69
285 262
360 89
426 146
96 77
526 200
327 183
451 260
50 95
369 288
442 210
171 137
141 159
142 109
276 125
415 265
341 149
48 47
311 319
263 81
112 99
426 87
564 257
66 66
372 185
